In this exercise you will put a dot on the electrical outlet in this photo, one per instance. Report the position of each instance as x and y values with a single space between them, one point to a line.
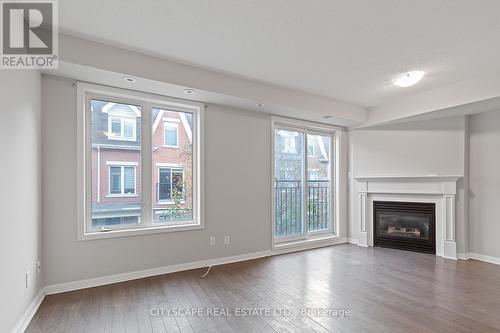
212 240
27 279
226 240
38 267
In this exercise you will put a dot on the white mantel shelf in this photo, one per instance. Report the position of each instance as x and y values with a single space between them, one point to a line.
438 178
438 189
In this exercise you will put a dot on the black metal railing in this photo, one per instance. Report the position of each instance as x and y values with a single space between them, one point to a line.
288 206
318 205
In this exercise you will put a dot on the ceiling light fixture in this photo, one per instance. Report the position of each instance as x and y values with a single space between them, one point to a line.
189 91
326 117
259 105
408 79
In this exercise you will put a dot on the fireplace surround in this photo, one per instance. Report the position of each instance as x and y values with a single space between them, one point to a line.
407 226
440 190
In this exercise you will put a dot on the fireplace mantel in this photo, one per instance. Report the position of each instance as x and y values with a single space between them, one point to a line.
438 189
435 178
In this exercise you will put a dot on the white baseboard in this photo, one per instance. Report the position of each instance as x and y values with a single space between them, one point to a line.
109 279
25 319
480 257
354 241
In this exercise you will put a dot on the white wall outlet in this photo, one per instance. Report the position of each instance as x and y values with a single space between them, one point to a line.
38 267
226 240
212 240
27 279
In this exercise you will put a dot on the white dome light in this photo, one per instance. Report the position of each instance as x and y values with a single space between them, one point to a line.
408 79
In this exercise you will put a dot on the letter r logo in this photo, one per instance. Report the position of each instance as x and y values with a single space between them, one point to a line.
27 27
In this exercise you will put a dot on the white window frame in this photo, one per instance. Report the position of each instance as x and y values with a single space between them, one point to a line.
335 234
122 136
85 93
122 166
170 124
171 167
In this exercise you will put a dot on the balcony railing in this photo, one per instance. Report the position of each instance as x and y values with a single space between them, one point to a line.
288 206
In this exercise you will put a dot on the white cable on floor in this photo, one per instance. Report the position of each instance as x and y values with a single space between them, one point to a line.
208 270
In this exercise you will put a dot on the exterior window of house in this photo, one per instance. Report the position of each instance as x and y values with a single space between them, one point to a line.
303 205
122 180
170 184
122 120
129 128
116 126
121 128
124 148
171 134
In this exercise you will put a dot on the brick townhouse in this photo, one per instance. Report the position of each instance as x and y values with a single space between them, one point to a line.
116 169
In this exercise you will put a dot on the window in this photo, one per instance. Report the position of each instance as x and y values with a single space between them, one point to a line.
137 184
303 200
121 128
170 184
122 180
170 134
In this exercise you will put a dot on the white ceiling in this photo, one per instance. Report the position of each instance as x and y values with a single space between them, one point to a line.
343 49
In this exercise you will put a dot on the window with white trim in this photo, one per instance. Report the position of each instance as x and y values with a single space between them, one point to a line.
137 184
171 134
170 184
122 128
122 180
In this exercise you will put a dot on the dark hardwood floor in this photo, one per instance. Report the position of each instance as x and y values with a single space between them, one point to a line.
384 290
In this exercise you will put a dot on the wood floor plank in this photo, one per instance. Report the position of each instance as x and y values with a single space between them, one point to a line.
385 290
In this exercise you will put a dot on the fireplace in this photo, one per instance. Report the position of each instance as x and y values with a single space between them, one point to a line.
407 226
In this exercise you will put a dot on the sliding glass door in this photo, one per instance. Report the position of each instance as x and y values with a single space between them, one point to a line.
302 183
289 183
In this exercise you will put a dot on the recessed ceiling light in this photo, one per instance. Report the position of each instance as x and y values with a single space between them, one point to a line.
408 79
189 91
326 117
259 105
129 79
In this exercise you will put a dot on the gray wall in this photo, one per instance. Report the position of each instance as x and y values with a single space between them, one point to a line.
237 196
484 215
412 149
20 201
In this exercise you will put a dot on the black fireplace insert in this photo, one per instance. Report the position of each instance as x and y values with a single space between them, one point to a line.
407 226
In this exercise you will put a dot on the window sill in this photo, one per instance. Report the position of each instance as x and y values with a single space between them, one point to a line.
122 196
169 202
119 138
167 146
92 235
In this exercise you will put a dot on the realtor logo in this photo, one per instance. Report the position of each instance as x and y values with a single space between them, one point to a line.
29 34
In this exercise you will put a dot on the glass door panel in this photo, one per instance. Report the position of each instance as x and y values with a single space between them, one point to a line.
318 183
288 183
